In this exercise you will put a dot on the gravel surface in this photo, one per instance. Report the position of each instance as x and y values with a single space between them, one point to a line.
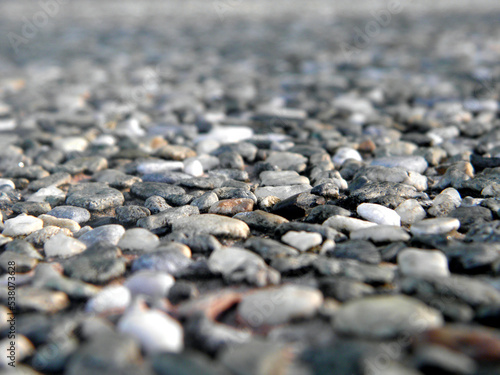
249 188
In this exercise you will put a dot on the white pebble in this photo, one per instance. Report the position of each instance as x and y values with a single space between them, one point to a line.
344 223
410 211
302 240
150 283
111 298
344 153
193 167
379 214
440 225
421 263
63 246
22 225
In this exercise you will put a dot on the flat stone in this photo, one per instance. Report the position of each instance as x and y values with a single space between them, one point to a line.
216 225
231 207
145 190
381 234
23 263
282 192
171 262
94 197
422 263
279 305
175 152
363 251
116 179
111 233
383 317
435 226
36 299
378 214
344 153
288 161
21 225
63 246
260 220
165 220
348 224
49 220
156 204
78 214
159 166
410 163
471 216
138 239
205 201
302 241
88 164
281 178
31 208
51 195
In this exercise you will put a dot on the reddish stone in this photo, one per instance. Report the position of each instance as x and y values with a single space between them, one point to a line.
481 344
231 207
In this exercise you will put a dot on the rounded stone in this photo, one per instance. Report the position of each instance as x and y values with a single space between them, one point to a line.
78 214
440 225
22 225
378 214
422 263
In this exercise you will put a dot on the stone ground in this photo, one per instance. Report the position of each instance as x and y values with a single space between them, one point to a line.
235 187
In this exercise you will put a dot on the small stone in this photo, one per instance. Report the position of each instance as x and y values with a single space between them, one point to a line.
51 195
378 214
410 163
237 265
205 201
94 197
216 225
22 225
280 178
175 152
445 202
30 298
410 211
345 153
156 204
348 224
327 190
434 226
231 207
288 161
381 234
105 234
283 304
422 263
128 215
111 299
260 220
164 220
63 246
172 262
23 263
471 216
302 241
156 331
296 206
193 167
31 208
159 166
363 251
153 284
269 249
145 190
89 165
182 291
116 179
78 214
384 317
139 239
281 192
49 220
56 179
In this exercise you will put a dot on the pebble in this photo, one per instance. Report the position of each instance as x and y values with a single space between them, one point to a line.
385 317
378 214
153 284
63 246
110 299
145 190
260 220
288 161
21 225
216 225
345 153
128 215
94 197
282 178
238 265
231 207
348 224
49 220
193 167
422 263
410 211
154 330
381 234
171 262
281 192
279 305
138 239
434 226
409 163
78 214
105 234
445 202
302 241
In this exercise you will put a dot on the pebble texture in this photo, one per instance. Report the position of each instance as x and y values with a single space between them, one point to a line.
250 187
